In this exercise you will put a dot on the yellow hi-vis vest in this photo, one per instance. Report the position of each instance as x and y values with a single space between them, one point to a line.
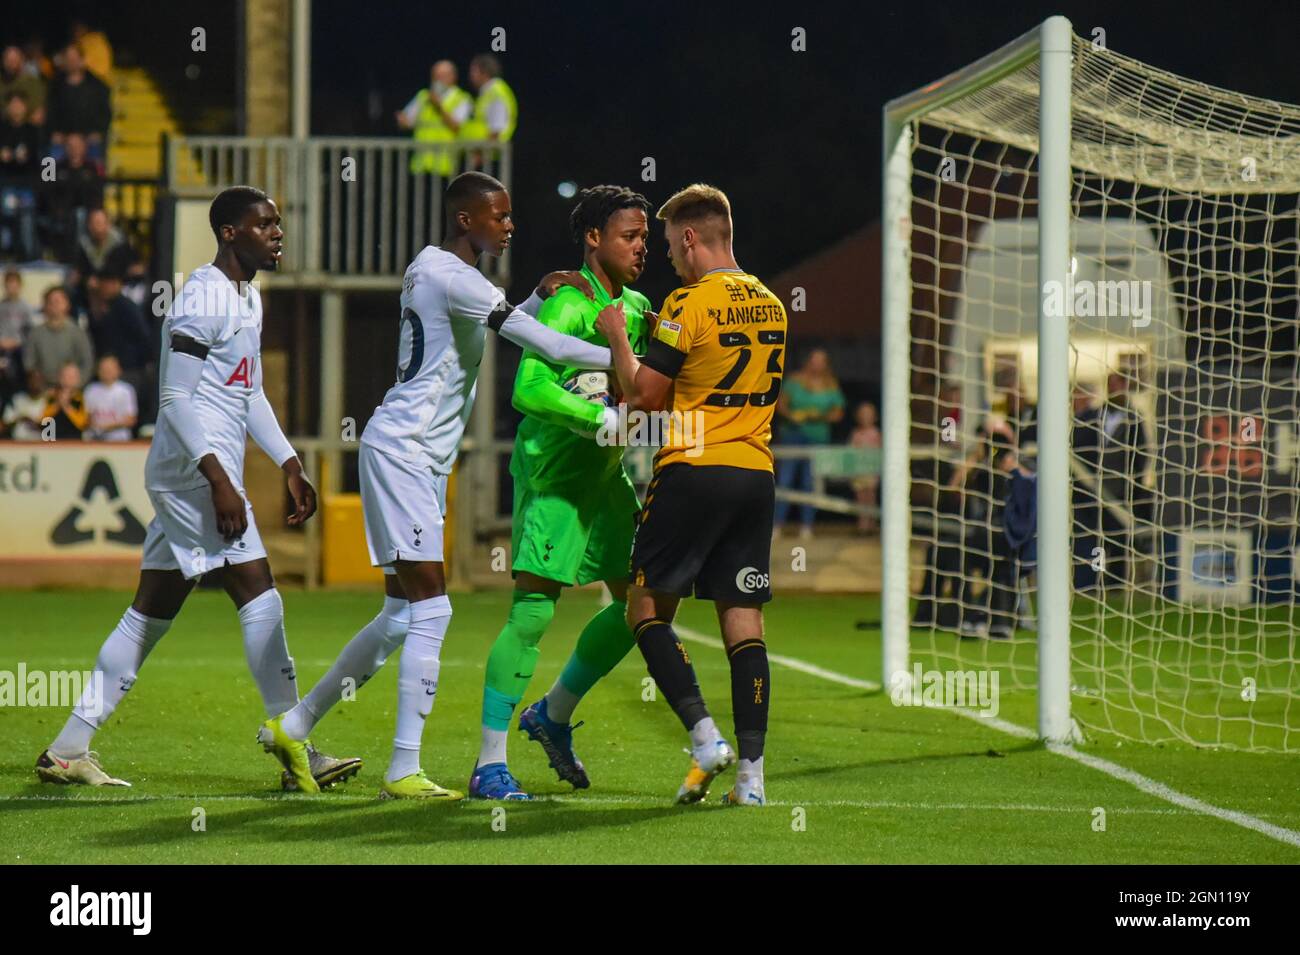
494 90
429 128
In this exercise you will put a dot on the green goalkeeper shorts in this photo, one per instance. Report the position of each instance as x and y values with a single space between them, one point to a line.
577 537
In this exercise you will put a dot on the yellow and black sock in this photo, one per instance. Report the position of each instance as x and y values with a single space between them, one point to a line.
670 666
751 686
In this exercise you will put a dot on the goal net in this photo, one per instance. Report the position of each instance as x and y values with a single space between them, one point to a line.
1092 271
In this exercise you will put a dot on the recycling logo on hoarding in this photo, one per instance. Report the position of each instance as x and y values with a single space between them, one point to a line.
128 531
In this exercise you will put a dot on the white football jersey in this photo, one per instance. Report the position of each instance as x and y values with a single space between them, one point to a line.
447 308
212 311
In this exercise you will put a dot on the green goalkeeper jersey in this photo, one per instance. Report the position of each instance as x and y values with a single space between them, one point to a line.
548 455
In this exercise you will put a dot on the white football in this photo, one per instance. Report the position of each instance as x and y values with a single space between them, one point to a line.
591 385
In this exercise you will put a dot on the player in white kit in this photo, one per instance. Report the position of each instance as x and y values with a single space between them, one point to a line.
408 449
211 401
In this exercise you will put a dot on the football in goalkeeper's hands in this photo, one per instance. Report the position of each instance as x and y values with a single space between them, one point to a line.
594 386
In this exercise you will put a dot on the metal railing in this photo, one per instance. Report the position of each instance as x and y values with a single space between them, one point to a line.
132 201
479 522
355 213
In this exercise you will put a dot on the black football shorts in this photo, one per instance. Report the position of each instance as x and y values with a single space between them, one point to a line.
707 530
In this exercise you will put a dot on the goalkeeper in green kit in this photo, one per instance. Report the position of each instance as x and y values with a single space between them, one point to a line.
575 508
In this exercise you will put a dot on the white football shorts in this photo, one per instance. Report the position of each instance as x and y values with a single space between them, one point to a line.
183 534
403 505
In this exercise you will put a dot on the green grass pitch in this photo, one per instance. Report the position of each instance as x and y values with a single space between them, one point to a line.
851 777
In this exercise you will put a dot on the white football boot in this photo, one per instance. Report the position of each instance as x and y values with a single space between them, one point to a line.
83 770
707 762
748 791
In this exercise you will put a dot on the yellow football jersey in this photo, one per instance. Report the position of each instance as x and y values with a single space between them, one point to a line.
722 341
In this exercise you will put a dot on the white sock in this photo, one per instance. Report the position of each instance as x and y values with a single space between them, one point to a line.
262 620
417 681
749 773
492 749
704 732
119 660
560 703
357 663
405 762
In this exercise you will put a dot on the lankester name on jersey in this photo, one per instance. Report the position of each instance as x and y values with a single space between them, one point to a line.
747 315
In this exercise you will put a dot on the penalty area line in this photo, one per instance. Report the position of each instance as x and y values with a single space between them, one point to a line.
1115 771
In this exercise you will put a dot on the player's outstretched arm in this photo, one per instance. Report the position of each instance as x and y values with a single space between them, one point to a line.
552 282
473 297
527 332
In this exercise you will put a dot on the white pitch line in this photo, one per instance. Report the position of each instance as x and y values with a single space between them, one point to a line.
594 799
1142 783
881 804
1161 791
789 662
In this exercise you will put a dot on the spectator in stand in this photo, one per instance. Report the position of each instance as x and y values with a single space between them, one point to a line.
810 402
495 109
1022 419
102 248
110 403
20 141
15 324
78 102
949 407
66 405
24 411
935 491
96 50
59 341
1085 448
15 78
866 435
118 328
20 150
435 115
981 551
35 62
78 187
1126 501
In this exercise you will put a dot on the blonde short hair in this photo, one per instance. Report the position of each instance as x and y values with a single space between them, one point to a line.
703 206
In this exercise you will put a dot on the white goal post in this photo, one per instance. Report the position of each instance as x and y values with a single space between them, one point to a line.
1024 198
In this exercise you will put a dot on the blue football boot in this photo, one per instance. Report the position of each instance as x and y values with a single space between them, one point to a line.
557 741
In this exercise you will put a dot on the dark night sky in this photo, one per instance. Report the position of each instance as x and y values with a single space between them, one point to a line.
713 91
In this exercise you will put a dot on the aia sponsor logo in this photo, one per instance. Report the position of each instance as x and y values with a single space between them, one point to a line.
243 373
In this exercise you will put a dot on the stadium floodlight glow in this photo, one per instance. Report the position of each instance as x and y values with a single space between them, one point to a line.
567 189
1067 223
